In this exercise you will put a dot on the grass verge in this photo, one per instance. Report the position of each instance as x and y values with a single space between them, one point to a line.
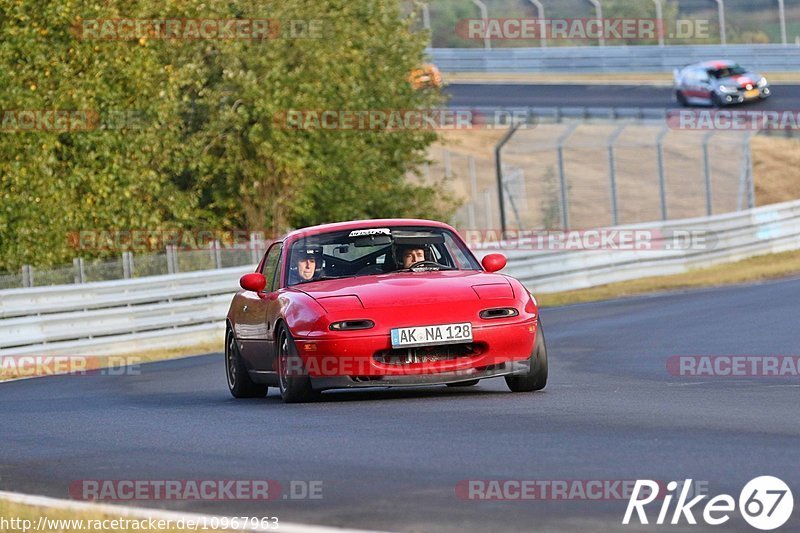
762 267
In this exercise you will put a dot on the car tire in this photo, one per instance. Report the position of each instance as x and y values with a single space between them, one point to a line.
681 99
536 377
239 383
470 383
295 385
715 101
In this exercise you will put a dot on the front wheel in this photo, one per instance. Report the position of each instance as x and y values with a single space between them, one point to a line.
681 98
294 383
536 377
239 382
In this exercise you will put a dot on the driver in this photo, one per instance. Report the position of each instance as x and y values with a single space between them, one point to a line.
410 254
306 264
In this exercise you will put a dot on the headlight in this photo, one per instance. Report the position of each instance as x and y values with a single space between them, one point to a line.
728 89
762 82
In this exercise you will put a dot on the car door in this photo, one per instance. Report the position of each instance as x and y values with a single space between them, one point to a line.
254 330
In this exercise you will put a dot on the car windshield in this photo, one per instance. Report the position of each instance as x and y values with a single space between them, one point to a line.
727 72
378 250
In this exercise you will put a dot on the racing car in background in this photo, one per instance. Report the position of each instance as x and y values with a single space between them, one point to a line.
397 302
718 83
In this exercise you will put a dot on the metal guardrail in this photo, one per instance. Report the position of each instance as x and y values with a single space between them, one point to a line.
168 311
600 59
731 237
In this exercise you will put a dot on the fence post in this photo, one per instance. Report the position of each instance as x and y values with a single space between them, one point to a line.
707 172
499 169
473 186
487 207
448 167
27 276
253 247
126 268
485 16
598 7
612 174
80 274
660 19
751 192
721 11
662 182
562 178
217 251
540 14
172 267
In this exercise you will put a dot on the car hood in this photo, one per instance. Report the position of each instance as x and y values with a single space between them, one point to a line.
408 288
741 80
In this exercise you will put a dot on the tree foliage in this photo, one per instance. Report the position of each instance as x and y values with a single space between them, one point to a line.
187 135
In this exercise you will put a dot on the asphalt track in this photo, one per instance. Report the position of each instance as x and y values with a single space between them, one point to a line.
390 460
785 97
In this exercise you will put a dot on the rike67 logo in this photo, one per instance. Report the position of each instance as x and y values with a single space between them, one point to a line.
765 503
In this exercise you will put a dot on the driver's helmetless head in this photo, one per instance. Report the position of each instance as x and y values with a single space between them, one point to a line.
409 256
306 267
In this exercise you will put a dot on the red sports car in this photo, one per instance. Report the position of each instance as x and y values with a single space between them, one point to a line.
380 303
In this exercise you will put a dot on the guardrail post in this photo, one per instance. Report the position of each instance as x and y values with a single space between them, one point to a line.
707 172
612 174
562 178
80 273
473 187
27 276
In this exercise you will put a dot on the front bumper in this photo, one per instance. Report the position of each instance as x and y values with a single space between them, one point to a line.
357 361
742 96
350 382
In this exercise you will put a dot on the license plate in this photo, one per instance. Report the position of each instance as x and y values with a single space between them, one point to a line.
431 335
754 93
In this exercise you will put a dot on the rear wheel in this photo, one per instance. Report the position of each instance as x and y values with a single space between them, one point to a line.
239 382
536 377
294 383
469 383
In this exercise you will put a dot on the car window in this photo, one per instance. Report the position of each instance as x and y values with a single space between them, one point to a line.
372 251
270 266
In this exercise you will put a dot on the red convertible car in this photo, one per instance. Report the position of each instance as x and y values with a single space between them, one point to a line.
380 303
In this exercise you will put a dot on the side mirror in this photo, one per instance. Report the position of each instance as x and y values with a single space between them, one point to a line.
493 262
253 282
